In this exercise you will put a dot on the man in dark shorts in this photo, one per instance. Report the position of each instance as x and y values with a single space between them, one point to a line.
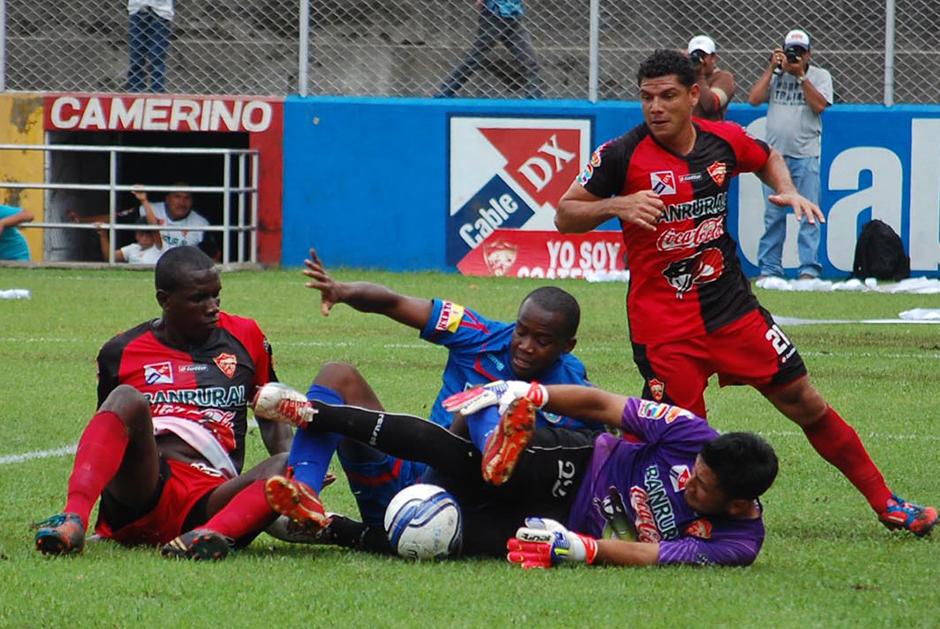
166 447
690 307
676 493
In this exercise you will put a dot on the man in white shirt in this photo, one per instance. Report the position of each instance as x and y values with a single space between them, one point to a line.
176 212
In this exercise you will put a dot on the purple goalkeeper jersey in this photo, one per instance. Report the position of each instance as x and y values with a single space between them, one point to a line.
648 479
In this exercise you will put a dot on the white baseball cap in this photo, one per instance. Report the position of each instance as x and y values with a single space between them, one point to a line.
796 37
702 42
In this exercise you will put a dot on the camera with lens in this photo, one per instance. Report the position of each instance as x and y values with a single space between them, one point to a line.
794 53
697 57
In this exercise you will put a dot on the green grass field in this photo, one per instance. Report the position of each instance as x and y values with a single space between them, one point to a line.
826 560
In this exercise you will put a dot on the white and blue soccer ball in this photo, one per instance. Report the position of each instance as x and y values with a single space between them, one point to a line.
424 522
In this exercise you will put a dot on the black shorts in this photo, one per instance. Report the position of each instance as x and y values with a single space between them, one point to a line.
544 484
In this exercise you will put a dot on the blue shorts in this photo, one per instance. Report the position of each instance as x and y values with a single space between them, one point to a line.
375 483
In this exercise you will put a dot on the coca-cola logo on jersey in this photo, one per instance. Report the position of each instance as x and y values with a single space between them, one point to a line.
706 231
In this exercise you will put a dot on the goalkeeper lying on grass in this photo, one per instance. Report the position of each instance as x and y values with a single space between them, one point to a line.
673 491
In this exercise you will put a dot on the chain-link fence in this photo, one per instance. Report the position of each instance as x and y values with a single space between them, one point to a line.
445 47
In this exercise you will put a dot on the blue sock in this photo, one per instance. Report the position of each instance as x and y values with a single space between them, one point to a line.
481 425
310 453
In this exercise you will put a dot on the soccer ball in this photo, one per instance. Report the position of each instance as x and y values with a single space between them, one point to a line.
424 522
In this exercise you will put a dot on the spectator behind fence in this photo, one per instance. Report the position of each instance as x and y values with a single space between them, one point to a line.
146 250
148 41
500 20
175 212
716 87
12 243
798 93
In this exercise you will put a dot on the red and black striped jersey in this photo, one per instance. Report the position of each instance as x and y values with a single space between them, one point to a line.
210 385
685 277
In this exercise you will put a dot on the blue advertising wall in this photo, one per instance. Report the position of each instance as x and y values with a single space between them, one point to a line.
366 181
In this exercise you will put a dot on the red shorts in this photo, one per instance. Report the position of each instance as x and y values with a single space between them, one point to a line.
184 485
752 350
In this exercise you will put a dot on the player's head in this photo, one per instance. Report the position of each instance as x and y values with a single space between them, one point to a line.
729 473
545 329
188 287
179 204
668 93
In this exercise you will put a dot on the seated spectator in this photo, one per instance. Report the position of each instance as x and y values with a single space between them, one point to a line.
175 211
146 250
12 243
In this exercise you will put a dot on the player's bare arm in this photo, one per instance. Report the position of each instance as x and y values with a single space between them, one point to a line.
587 403
617 552
365 296
776 175
580 211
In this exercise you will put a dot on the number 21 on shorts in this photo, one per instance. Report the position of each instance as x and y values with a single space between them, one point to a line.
780 342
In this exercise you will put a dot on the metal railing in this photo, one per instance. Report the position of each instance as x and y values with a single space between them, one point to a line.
244 189
883 52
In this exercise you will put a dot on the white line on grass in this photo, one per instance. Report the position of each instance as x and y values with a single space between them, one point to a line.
582 348
38 454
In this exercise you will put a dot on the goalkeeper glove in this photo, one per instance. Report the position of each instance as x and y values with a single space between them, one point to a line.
501 392
542 543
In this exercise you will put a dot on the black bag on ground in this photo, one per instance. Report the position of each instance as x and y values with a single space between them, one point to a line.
879 253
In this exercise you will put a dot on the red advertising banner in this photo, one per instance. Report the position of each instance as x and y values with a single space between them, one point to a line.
548 254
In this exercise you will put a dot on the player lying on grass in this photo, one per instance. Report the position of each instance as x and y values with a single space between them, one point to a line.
166 446
679 494
537 345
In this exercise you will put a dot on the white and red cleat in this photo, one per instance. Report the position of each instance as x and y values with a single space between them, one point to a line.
280 403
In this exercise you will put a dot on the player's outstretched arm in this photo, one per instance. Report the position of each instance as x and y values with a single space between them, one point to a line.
617 552
586 403
776 175
277 437
365 296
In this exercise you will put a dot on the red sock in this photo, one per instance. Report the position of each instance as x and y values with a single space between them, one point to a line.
838 443
247 513
98 458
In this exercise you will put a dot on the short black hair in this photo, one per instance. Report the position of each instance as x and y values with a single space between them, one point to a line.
664 63
176 262
554 299
745 464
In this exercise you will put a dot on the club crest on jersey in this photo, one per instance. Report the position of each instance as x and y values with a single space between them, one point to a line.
663 182
679 475
657 388
700 528
226 363
158 373
717 171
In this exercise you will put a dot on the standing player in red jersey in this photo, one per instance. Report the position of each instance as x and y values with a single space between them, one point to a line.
690 307
165 449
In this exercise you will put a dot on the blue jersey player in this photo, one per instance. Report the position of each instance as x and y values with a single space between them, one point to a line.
536 346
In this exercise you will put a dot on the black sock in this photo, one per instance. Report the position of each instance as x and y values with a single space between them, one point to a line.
403 436
350 533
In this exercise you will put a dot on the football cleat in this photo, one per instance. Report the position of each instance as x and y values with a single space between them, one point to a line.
508 440
198 544
297 500
279 403
901 514
61 534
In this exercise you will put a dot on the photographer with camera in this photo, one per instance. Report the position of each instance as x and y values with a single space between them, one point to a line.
797 93
716 86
